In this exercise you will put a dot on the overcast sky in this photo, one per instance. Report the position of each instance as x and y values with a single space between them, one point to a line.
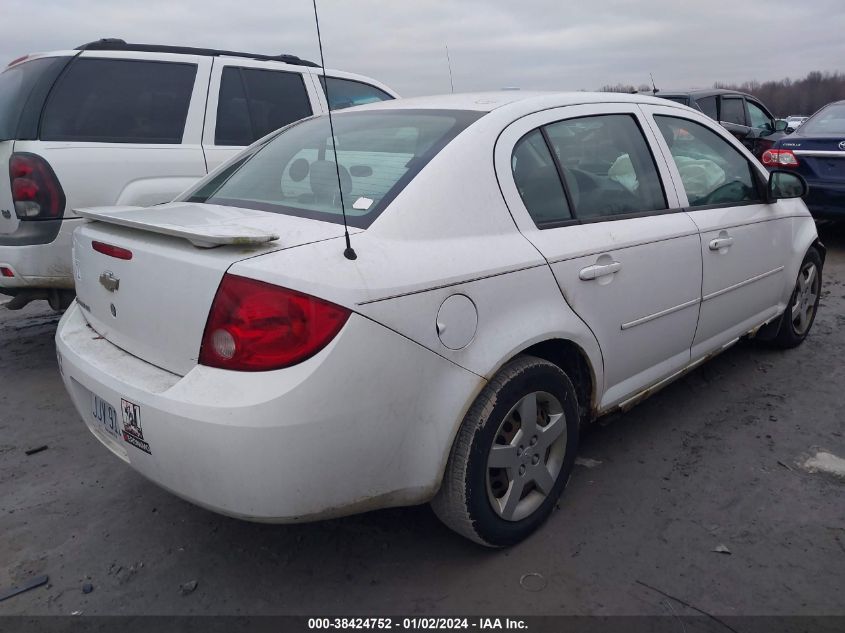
541 44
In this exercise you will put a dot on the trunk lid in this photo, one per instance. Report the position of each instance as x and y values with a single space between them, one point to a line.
820 158
155 305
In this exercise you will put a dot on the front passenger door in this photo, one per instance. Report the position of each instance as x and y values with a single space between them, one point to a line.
743 239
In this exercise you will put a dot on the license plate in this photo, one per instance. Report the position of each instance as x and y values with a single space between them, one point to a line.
105 416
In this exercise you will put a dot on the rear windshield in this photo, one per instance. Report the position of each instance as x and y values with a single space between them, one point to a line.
828 121
294 172
17 84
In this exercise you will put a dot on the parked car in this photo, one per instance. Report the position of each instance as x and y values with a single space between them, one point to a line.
118 123
816 150
741 114
794 122
523 263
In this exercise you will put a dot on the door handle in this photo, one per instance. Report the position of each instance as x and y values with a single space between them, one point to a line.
598 270
720 243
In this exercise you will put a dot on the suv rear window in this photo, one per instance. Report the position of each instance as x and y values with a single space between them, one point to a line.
294 172
18 85
254 102
120 101
345 93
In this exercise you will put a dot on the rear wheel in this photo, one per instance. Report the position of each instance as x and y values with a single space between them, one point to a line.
803 304
513 454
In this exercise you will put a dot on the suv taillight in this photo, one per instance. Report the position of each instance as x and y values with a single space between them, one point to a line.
256 326
779 158
36 191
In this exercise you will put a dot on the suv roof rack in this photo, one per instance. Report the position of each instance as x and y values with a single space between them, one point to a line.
115 44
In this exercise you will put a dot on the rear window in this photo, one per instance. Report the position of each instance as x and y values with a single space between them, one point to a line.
681 100
120 101
708 106
294 172
254 102
345 93
20 85
828 121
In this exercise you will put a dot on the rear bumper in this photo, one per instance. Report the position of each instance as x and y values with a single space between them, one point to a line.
36 264
366 423
826 201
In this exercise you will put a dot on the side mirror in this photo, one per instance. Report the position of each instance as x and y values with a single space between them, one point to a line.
786 184
781 125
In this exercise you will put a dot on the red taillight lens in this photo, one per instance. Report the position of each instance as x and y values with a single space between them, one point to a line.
111 250
780 158
6 272
256 326
36 191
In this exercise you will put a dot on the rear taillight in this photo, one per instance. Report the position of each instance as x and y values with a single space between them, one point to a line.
256 326
779 158
6 271
36 191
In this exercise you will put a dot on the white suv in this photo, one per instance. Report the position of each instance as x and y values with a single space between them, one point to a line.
132 124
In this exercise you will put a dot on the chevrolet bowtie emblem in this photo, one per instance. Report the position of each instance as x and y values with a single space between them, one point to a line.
109 281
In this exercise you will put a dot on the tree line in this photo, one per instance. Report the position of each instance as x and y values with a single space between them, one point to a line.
784 97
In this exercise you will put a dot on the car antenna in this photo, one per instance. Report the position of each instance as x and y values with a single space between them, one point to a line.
449 63
348 252
653 87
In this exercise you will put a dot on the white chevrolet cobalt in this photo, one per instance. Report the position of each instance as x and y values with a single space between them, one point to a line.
520 264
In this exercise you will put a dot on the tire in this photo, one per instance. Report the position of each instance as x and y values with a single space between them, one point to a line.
500 506
801 310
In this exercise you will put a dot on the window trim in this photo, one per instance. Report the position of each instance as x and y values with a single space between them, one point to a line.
54 89
573 211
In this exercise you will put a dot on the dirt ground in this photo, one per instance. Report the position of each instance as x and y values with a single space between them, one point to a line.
714 460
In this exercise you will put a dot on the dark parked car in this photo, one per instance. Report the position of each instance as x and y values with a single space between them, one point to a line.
741 114
816 150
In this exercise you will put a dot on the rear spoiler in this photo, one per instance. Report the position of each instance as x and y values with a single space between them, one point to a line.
210 230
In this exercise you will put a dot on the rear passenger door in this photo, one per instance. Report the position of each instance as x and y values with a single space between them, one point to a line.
248 99
744 241
125 128
586 189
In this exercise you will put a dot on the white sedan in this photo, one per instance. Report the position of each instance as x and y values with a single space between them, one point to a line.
520 264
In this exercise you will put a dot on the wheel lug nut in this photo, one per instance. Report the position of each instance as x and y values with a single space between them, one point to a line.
521 471
535 460
533 440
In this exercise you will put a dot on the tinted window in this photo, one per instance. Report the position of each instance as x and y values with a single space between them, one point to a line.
758 118
607 166
733 110
827 121
294 172
708 106
712 170
120 101
537 180
17 85
255 102
345 93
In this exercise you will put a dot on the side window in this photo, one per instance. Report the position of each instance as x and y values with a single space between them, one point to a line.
708 106
254 102
119 101
732 110
758 118
345 93
607 165
537 180
712 170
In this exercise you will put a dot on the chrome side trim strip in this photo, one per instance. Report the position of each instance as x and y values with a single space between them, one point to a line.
719 293
818 152
657 315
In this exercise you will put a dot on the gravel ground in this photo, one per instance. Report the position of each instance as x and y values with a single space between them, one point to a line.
715 460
